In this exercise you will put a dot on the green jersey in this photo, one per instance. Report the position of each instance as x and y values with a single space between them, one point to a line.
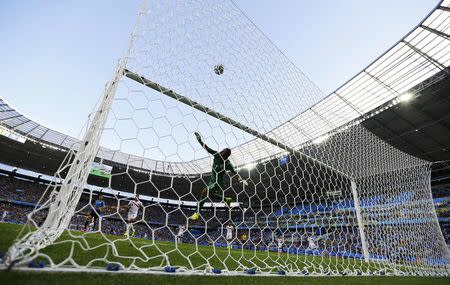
216 185
219 169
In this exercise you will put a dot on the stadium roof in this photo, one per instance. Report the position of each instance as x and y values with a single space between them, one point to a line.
414 63
421 127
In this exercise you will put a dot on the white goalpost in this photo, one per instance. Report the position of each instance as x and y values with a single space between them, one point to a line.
313 203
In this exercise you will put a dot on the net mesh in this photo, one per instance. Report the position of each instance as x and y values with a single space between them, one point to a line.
301 204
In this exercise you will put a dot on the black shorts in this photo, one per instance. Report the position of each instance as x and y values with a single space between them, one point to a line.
94 214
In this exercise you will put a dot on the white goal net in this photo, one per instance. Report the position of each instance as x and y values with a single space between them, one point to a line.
261 189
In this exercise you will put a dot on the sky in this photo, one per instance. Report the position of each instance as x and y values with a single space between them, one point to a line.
57 56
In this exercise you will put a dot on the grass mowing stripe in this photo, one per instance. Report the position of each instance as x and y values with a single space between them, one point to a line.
31 278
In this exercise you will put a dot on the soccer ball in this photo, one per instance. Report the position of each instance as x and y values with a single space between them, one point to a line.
218 69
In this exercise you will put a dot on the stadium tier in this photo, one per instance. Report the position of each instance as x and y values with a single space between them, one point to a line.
210 151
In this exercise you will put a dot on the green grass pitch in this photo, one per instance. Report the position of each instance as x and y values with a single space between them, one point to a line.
132 253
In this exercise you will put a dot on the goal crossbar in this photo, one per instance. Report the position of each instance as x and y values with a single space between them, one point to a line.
183 99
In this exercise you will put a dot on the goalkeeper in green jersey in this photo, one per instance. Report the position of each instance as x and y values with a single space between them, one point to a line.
216 185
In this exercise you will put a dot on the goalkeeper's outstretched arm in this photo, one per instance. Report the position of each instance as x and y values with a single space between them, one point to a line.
207 148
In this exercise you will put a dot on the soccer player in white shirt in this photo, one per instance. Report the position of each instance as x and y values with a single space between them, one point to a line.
312 243
280 244
229 235
133 209
5 213
181 231
91 224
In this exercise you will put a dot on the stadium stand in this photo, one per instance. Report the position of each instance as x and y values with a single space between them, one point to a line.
19 195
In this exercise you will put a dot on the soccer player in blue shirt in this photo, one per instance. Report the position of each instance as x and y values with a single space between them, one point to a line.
99 207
